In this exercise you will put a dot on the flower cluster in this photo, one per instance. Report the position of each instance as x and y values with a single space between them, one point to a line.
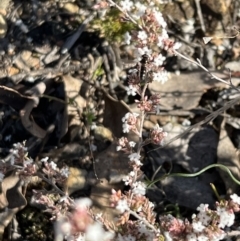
130 122
157 135
137 219
139 206
151 34
19 160
206 225
79 225
125 145
52 172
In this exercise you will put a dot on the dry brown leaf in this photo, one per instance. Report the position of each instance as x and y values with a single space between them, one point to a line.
29 123
25 113
114 111
25 104
72 90
11 200
184 91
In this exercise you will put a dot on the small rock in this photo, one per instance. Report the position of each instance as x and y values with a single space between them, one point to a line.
3 26
76 180
71 7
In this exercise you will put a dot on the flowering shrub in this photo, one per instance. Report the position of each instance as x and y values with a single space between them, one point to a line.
74 219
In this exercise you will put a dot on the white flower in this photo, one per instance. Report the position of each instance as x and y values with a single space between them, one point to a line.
141 8
159 60
204 218
81 237
96 232
118 148
202 207
198 227
93 126
127 180
126 128
161 76
53 165
235 198
142 51
139 188
64 171
160 19
191 237
122 206
186 122
177 45
142 35
62 228
45 159
161 38
99 216
226 217
125 118
149 234
218 236
134 156
126 5
129 114
83 202
63 199
132 174
151 205
138 162
203 238
132 143
127 38
131 90
128 237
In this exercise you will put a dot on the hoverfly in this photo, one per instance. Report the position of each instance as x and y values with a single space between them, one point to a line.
143 67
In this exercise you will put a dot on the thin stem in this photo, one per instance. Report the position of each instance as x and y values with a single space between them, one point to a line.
127 14
215 191
198 63
53 185
143 220
142 117
199 12
224 168
54 98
